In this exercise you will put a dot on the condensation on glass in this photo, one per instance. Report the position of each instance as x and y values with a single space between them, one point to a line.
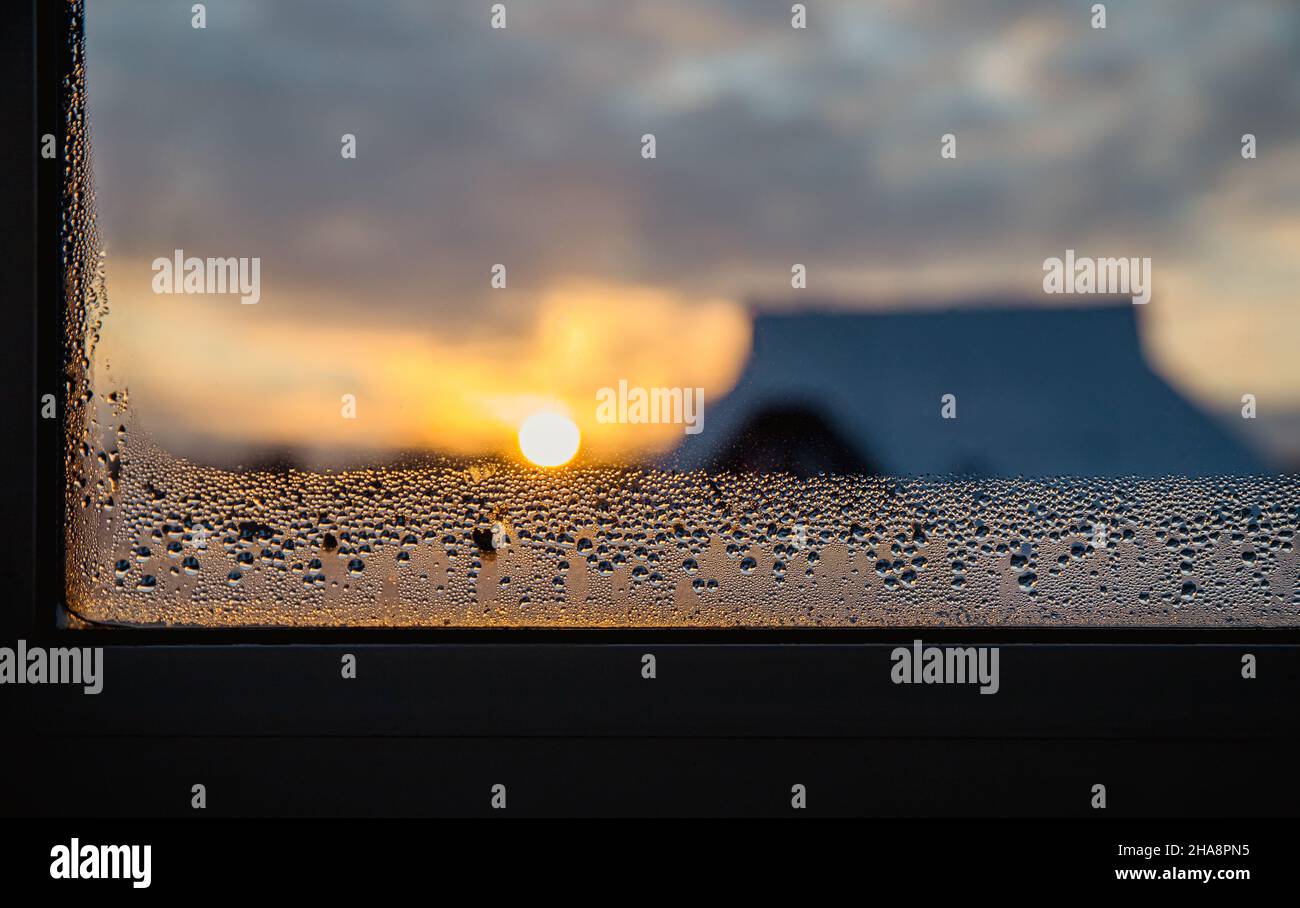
153 539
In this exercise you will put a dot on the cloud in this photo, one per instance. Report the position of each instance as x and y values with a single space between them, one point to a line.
521 146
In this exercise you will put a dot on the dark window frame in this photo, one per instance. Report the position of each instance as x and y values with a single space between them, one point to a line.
52 44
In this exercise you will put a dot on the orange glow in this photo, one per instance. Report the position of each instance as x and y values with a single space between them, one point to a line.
460 394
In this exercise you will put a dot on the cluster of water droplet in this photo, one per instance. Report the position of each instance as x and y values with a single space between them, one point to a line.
499 544
88 470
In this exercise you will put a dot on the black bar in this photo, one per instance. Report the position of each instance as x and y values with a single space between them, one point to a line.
483 689
656 777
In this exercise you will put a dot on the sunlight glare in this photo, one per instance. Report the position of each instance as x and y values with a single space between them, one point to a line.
549 439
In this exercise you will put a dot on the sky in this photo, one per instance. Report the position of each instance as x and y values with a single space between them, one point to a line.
774 146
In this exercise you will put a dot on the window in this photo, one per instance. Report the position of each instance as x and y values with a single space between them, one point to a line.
564 314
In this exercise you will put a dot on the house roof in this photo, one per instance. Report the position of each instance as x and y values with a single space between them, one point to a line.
1038 392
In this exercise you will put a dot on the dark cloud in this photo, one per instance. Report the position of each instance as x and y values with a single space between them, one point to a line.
479 146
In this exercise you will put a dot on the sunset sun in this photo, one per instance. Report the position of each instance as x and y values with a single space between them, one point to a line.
549 439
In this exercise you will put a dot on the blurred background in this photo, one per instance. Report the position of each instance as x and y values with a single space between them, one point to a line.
775 146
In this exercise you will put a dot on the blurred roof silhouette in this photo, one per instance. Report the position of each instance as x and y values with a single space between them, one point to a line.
1038 392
